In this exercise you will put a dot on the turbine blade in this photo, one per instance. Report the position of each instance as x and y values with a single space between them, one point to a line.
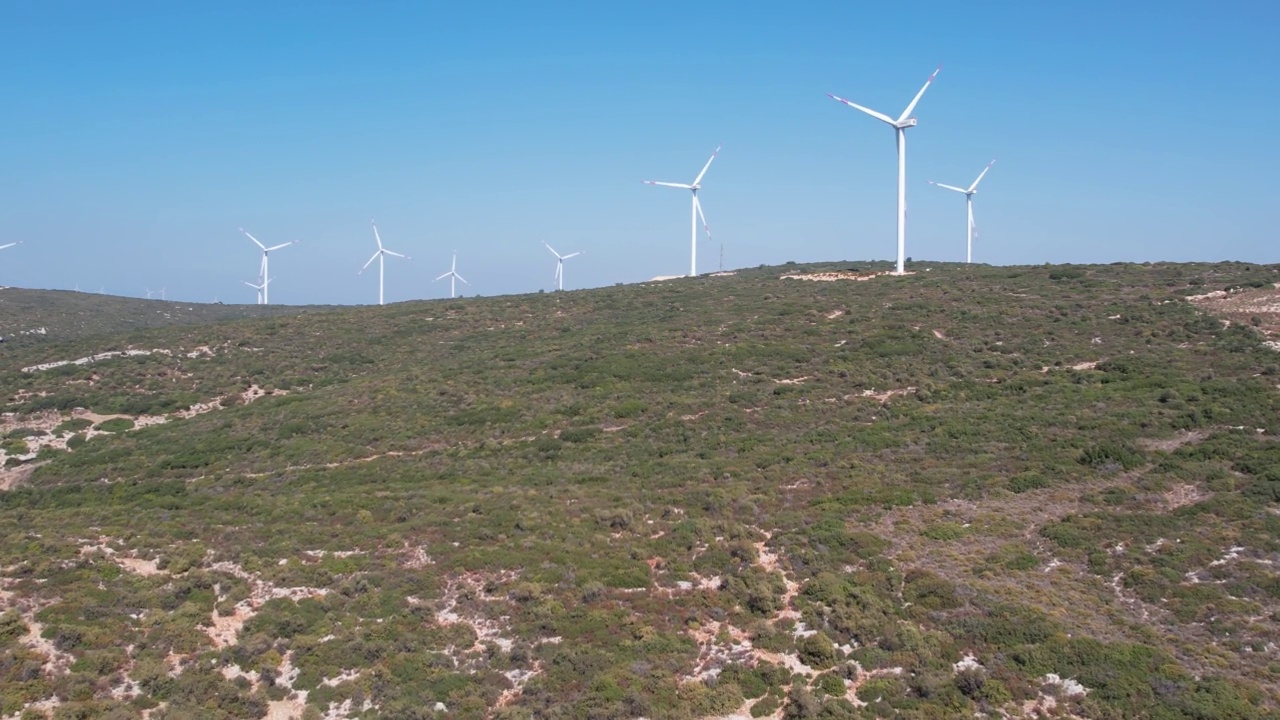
974 186
392 252
254 239
949 187
277 247
566 257
869 111
682 186
443 276
698 204
461 278
2 247
907 113
708 165
371 259
553 250
375 234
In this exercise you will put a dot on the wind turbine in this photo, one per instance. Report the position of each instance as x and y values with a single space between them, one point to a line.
695 212
261 288
904 121
378 255
151 294
559 279
968 201
265 252
454 276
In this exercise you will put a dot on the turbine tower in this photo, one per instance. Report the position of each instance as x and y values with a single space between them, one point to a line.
453 276
262 274
559 279
904 121
379 256
968 201
695 212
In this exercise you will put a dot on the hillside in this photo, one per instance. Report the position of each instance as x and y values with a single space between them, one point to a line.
805 491
38 317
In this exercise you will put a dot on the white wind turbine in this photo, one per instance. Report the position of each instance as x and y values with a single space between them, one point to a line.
904 121
968 201
695 212
261 287
453 276
379 256
559 279
265 252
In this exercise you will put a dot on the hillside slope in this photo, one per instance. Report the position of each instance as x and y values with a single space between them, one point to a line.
1032 491
40 317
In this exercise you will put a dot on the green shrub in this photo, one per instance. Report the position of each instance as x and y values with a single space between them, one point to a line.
629 408
817 651
115 425
945 531
73 425
579 434
1027 481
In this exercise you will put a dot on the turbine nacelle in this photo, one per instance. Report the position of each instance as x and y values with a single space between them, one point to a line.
909 122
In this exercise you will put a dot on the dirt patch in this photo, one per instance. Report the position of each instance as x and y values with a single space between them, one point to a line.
834 276
136 565
1183 495
12 477
883 396
1183 437
1258 308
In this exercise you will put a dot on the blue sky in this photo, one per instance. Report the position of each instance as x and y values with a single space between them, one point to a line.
138 136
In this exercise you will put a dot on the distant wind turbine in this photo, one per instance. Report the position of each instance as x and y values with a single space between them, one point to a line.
151 294
453 276
904 121
695 212
968 201
378 255
559 278
261 287
262 273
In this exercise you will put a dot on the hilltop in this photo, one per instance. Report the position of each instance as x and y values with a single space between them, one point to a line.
800 491
38 317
